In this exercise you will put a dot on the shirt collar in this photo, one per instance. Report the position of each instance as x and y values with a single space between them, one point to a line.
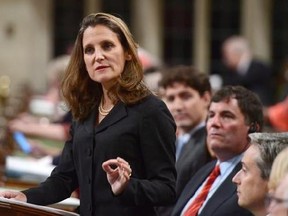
225 165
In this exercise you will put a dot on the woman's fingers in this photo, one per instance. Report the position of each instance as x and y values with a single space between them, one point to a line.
125 166
117 164
110 166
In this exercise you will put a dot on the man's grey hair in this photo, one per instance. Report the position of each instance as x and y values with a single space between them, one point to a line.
269 145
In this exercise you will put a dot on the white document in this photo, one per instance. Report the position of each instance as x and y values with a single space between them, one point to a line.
28 168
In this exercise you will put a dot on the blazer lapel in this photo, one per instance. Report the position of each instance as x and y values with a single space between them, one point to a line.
192 186
224 192
187 150
116 114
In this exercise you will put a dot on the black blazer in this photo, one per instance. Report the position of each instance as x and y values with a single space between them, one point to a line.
142 134
193 156
224 202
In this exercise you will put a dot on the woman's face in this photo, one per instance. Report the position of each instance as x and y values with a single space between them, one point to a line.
279 203
104 55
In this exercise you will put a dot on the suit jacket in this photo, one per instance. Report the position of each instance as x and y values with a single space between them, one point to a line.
144 135
224 202
258 78
193 156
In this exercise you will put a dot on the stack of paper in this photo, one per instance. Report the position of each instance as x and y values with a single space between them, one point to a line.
28 169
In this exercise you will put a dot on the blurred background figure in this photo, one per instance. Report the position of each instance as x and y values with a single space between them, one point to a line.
148 60
241 68
37 134
49 103
151 67
45 117
152 78
36 119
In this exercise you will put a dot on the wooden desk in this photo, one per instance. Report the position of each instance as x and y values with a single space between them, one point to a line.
16 208
69 204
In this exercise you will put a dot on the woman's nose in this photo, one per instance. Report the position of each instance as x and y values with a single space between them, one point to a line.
99 55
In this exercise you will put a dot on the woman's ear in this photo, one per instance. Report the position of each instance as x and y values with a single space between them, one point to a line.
128 57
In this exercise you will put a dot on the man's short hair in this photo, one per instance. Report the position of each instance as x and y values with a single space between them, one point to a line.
188 75
269 145
248 102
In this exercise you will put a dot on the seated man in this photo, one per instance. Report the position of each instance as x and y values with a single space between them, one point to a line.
234 112
187 93
252 179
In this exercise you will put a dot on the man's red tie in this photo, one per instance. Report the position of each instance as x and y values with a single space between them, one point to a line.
199 200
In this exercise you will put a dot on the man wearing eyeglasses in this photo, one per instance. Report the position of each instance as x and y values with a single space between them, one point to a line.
279 201
252 179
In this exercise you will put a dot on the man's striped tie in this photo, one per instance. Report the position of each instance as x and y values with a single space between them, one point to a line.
199 200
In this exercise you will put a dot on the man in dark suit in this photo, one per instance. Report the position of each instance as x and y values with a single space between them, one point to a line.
256 168
187 93
233 113
241 68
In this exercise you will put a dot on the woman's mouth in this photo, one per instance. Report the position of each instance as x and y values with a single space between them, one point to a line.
102 67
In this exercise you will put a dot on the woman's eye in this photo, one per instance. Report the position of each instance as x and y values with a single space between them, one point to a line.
89 50
107 46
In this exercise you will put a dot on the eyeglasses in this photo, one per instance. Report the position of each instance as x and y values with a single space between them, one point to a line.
270 198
